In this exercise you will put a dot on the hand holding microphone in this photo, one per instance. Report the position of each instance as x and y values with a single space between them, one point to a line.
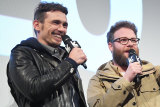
134 67
74 50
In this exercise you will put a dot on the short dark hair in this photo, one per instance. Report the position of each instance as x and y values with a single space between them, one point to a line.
117 26
44 7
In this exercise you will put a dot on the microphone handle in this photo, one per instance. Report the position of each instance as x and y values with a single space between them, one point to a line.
135 59
76 44
137 78
84 65
69 45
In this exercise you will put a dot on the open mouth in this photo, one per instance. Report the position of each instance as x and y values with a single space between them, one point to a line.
56 36
126 53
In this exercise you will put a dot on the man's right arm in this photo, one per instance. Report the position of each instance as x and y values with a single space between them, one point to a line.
29 77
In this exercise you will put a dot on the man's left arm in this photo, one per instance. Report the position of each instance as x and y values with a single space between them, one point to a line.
157 74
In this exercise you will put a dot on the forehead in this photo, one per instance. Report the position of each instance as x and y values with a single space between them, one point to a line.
56 15
124 32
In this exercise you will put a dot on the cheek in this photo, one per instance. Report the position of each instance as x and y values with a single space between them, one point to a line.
118 48
121 51
51 28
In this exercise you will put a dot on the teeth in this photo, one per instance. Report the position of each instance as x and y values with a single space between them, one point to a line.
58 36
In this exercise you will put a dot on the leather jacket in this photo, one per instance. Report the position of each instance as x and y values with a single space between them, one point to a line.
39 77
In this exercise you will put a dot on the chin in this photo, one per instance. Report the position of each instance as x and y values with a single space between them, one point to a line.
56 42
59 43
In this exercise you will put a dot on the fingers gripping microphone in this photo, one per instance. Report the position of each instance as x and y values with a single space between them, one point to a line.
69 45
134 58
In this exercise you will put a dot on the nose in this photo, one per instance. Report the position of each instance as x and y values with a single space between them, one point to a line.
130 44
61 28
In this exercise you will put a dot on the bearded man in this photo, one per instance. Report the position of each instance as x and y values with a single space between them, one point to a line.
114 84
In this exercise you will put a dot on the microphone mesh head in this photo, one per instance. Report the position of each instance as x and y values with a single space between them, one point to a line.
132 51
65 37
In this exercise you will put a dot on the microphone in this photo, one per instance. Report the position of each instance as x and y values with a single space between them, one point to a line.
134 58
69 45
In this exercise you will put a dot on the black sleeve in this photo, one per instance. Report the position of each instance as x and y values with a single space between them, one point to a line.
30 82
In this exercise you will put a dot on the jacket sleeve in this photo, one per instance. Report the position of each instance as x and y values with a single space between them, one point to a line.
113 96
30 82
157 74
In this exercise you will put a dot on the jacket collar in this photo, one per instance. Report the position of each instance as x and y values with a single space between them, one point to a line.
56 52
36 45
110 71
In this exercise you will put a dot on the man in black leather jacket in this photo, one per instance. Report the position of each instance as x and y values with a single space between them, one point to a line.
40 72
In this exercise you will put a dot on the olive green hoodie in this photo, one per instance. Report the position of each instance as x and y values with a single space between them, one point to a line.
108 88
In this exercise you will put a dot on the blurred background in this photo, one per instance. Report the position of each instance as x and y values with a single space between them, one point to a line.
89 22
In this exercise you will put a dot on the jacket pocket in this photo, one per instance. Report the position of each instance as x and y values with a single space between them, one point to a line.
149 88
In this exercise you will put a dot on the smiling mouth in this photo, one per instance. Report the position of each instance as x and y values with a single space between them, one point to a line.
58 36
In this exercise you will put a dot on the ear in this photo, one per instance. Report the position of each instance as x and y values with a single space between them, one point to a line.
110 46
36 25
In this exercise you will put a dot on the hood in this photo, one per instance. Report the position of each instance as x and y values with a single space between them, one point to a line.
34 44
30 41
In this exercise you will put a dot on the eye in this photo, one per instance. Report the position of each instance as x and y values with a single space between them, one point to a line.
124 39
65 25
56 22
134 40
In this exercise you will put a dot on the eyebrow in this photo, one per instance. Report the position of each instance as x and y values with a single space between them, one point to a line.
59 21
128 38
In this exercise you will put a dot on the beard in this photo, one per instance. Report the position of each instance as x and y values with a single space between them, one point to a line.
119 57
